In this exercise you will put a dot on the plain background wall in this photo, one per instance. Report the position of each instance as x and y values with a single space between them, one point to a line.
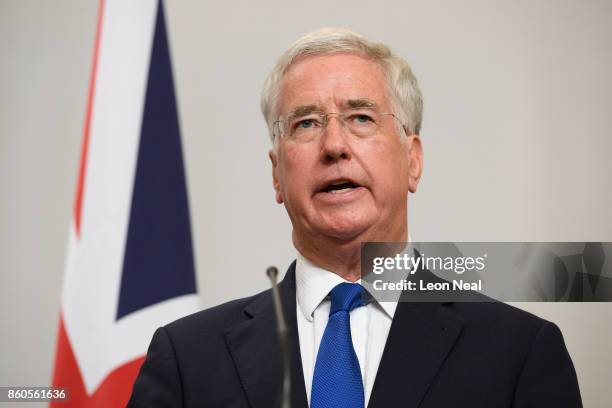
516 134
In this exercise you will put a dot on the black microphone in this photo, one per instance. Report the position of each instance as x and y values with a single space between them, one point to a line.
281 327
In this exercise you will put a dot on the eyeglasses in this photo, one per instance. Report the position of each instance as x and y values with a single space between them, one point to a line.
360 122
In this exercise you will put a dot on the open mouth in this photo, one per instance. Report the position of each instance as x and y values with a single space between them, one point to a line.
340 187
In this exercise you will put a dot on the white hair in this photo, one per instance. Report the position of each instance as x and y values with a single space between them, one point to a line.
404 91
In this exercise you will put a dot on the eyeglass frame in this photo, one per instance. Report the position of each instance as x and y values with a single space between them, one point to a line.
325 116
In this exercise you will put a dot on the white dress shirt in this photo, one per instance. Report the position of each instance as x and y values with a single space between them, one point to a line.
370 324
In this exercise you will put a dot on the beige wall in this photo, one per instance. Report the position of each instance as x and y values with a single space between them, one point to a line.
517 136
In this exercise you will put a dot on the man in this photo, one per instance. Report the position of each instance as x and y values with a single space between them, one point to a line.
344 115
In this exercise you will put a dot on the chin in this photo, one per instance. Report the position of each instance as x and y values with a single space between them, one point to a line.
346 229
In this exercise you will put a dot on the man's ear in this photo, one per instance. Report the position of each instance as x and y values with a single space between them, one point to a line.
414 151
275 179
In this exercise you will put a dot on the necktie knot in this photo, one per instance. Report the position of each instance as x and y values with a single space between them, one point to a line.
345 297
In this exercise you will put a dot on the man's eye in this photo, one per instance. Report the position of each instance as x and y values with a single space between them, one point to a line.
362 118
306 124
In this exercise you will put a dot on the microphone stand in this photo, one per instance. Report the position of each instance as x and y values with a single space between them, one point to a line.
281 327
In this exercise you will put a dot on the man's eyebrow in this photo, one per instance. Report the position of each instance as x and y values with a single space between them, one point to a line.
361 103
351 104
303 111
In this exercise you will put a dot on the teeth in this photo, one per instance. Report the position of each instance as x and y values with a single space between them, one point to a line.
341 191
335 183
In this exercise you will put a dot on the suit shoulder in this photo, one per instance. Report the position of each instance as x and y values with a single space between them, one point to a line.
215 318
500 332
499 315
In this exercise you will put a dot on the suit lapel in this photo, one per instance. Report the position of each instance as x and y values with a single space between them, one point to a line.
420 338
254 347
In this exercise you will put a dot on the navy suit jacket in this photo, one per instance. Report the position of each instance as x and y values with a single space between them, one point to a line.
437 355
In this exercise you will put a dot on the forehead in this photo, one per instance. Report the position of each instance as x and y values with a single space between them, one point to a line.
331 81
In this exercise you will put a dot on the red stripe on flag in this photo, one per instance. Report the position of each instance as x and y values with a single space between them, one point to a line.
78 202
114 391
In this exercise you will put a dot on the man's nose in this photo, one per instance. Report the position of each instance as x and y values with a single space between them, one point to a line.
334 141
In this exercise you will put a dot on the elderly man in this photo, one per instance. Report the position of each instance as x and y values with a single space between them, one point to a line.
344 115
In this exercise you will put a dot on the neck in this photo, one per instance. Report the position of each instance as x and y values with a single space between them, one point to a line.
343 256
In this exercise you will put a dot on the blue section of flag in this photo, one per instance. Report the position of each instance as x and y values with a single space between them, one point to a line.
158 263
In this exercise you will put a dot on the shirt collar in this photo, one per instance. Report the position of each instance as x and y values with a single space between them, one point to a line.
314 283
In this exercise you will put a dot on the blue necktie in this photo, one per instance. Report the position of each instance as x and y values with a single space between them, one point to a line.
337 382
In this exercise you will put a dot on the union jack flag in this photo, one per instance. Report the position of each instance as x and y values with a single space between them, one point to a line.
130 265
